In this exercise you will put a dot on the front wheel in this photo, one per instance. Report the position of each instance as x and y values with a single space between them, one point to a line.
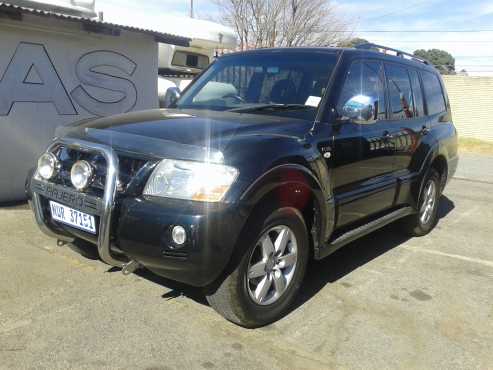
270 271
426 218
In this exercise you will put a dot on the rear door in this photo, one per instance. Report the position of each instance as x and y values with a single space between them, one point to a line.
407 121
362 161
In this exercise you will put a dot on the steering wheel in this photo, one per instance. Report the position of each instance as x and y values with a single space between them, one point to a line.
238 98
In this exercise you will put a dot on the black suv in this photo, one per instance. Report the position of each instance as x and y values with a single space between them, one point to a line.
271 157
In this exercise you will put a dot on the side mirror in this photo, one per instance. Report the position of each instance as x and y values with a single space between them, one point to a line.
170 98
360 109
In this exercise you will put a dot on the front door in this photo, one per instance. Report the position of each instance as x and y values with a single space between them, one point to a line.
362 155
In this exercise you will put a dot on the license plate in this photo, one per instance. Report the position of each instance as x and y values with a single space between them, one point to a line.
72 217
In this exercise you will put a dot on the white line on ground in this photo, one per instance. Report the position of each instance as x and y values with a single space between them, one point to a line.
472 180
456 256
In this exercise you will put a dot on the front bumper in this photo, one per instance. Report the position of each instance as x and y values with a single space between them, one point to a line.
144 235
141 227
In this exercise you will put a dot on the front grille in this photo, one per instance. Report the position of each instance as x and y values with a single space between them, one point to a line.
128 168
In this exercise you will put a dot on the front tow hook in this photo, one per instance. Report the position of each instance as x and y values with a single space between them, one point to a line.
130 267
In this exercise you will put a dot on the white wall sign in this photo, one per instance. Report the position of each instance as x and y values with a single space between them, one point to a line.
56 77
31 77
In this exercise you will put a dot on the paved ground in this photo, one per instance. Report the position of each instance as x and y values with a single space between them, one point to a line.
382 302
475 167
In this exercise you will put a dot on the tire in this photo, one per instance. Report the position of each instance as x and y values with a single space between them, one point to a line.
236 299
417 224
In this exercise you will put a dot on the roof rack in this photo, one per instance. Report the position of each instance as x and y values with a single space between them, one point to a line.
384 49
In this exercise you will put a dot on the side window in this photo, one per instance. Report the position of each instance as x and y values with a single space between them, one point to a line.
435 100
419 110
363 95
400 92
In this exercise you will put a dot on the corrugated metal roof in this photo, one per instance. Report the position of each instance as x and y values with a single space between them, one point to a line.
91 25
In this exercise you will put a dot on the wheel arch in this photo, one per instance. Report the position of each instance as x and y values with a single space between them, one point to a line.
436 158
294 185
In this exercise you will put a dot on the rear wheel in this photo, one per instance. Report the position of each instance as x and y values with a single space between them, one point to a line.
270 272
426 218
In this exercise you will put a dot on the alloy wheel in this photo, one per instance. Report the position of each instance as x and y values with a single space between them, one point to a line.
428 204
272 265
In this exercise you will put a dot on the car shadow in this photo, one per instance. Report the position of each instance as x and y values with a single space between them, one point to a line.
356 254
16 205
323 272
319 274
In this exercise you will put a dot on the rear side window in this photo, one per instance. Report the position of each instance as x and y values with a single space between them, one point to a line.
419 110
401 94
364 83
435 100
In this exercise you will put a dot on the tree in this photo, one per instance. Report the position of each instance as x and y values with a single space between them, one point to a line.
351 43
442 60
282 23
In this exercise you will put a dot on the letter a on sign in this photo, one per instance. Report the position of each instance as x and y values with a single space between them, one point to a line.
31 77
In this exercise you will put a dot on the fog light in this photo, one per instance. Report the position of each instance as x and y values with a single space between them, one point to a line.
81 175
179 235
48 166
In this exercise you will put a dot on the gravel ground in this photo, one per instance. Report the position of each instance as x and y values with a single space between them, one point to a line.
382 302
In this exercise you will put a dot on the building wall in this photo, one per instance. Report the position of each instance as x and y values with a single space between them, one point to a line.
53 73
471 99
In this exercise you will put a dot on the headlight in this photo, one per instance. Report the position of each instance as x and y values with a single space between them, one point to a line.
206 182
48 166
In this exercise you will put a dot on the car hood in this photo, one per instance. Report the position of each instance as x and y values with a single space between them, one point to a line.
186 134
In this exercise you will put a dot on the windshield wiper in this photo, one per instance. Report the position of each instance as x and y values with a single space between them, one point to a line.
272 107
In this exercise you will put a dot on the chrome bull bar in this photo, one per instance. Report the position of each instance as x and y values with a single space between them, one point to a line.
108 201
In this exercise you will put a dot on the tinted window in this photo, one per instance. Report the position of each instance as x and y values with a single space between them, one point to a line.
419 110
401 95
364 82
433 93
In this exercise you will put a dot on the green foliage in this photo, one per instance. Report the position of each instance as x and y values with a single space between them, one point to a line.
351 43
442 60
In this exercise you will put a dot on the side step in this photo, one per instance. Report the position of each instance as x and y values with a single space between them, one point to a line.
363 230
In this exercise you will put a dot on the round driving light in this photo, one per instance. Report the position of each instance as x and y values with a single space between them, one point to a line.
179 235
47 165
81 175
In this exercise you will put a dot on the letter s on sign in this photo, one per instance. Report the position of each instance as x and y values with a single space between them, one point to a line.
105 70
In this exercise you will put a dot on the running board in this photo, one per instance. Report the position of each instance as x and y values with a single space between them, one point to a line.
363 230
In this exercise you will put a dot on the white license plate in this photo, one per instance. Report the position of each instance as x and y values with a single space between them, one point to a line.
72 217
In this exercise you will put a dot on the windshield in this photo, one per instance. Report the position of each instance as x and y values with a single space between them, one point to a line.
281 83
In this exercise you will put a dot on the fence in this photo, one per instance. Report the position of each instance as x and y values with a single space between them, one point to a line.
471 99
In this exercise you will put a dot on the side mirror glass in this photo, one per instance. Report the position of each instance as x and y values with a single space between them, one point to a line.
360 109
170 98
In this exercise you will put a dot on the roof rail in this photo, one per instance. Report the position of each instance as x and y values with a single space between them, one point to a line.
384 49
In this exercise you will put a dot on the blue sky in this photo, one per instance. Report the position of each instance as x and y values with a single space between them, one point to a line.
472 50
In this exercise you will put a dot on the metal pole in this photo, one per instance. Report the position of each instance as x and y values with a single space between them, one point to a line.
191 8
